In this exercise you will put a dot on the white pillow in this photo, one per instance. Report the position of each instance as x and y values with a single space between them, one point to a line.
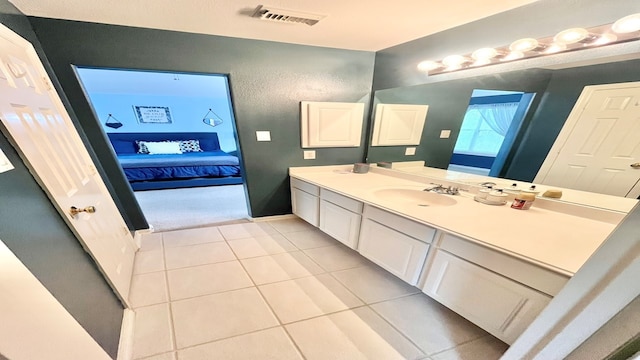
165 147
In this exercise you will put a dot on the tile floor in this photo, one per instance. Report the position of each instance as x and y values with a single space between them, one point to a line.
284 290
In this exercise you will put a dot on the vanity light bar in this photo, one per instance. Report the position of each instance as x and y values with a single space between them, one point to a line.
623 30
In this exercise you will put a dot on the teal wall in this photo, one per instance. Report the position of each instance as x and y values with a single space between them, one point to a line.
267 80
34 231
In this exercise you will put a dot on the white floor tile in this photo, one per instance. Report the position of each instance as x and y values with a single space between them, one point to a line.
148 289
353 334
151 241
191 237
266 344
165 356
427 323
207 318
193 255
279 267
260 246
308 297
372 284
333 258
148 261
247 230
485 348
207 279
310 239
152 331
290 225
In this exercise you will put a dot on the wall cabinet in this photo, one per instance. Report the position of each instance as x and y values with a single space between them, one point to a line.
340 217
398 245
497 304
305 201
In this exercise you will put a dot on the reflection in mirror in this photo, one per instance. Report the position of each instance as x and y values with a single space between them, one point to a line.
554 94
488 130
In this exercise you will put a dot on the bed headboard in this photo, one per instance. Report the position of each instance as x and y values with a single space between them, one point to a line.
125 143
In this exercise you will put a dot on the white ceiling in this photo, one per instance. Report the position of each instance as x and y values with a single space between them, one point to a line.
369 25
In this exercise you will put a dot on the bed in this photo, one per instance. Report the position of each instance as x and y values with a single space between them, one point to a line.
154 161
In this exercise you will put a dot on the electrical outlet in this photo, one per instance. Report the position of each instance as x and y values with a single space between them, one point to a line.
263 135
444 134
309 154
410 151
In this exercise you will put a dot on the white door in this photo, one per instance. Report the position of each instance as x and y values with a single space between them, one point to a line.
598 149
36 119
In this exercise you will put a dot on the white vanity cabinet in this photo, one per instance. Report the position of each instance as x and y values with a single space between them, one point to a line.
305 201
395 243
340 217
478 283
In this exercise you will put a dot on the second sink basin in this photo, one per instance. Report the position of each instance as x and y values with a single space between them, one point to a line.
415 197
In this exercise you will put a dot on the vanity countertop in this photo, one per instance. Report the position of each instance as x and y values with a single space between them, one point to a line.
555 240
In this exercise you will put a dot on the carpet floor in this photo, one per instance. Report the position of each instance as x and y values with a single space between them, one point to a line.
173 209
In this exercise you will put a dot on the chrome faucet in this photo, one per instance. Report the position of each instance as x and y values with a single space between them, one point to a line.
439 189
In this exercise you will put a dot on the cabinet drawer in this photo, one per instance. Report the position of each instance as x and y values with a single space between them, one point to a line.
305 186
499 305
523 272
396 252
305 206
341 224
341 200
411 228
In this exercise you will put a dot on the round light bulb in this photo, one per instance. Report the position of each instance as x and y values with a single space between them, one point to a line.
523 45
627 24
514 55
571 36
428 65
605 39
481 62
484 54
454 61
555 47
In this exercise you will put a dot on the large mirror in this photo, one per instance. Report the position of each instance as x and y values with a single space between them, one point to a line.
550 96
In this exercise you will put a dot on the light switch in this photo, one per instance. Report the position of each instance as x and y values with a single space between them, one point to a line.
263 135
444 134
410 151
309 154
5 164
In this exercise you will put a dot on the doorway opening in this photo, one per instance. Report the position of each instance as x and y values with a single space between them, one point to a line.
174 135
488 131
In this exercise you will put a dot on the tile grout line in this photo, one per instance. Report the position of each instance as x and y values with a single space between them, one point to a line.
264 299
171 318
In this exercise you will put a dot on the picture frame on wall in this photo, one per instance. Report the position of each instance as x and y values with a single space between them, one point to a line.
152 114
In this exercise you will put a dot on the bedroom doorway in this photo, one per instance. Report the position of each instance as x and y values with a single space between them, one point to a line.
174 136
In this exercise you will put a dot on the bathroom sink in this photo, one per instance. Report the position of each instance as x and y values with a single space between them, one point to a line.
415 197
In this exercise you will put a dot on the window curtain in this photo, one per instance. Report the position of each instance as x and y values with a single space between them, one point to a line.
497 116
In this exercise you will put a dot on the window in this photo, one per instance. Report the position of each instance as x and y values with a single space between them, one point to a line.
484 127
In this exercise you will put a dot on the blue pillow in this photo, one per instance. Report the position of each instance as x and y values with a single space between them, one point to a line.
123 147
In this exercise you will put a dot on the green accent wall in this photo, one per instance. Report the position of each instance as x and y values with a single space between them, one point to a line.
267 80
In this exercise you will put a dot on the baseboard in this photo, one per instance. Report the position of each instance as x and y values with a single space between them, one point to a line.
125 347
137 236
274 217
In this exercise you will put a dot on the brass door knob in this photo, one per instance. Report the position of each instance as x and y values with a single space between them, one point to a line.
635 166
75 211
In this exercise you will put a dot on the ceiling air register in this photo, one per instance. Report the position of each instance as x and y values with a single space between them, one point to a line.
286 16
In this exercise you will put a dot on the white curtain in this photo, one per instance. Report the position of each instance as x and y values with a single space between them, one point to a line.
497 116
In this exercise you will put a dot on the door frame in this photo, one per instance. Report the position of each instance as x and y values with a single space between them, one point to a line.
572 122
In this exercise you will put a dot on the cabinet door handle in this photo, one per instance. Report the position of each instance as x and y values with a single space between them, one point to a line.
635 165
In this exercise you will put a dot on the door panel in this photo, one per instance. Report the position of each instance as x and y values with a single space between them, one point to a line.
595 150
37 121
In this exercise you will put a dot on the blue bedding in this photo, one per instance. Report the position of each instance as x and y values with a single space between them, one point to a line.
144 167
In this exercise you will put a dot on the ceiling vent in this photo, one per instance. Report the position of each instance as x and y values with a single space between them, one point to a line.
286 16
